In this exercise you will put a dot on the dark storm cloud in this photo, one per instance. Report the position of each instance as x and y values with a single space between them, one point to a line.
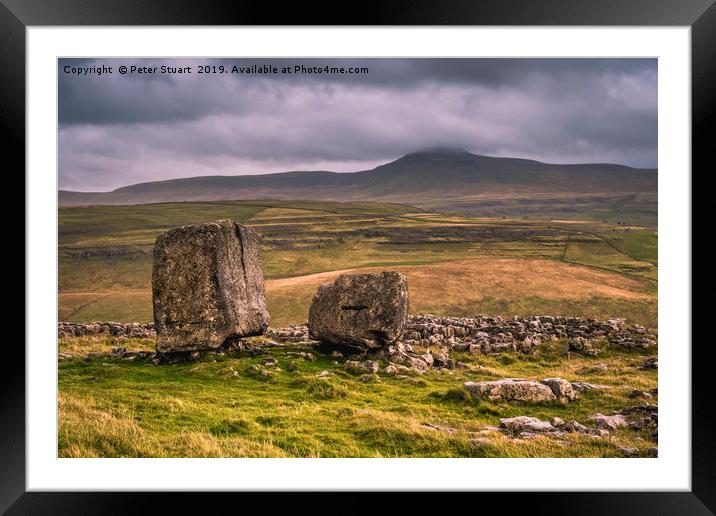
120 129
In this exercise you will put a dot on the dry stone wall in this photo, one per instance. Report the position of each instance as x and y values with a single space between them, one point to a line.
479 334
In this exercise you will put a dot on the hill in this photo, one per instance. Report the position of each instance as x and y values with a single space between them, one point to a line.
434 178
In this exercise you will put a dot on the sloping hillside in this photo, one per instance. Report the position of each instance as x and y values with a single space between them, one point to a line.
420 178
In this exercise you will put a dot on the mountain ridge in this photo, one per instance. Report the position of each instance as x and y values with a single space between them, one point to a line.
417 176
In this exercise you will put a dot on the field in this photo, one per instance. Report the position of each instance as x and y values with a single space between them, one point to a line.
455 264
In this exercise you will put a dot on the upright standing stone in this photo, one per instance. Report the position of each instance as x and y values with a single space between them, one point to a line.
207 286
361 310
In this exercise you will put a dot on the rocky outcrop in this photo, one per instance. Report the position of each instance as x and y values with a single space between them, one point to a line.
511 389
561 389
526 427
517 389
360 310
639 417
584 386
608 423
207 286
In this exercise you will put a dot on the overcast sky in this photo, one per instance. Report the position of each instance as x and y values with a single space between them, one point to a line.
116 129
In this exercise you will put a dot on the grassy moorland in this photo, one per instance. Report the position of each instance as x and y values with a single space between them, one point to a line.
220 406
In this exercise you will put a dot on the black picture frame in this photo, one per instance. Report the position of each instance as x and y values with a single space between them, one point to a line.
700 15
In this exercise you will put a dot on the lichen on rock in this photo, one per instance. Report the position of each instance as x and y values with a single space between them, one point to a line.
207 286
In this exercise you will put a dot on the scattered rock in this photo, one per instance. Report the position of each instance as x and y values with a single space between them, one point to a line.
650 363
608 423
390 369
399 354
581 345
636 393
561 388
576 426
292 333
629 452
257 370
361 367
361 310
511 389
439 428
207 286
525 427
442 360
371 366
427 358
645 409
584 386
642 417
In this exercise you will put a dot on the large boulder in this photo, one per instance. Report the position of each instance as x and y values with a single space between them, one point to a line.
511 389
360 310
207 286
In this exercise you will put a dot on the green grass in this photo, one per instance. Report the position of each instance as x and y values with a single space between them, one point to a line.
219 407
640 245
602 253
102 226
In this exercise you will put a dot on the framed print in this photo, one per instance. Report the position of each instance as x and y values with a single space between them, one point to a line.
432 250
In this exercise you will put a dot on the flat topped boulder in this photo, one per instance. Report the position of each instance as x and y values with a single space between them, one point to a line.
360 310
207 286
511 389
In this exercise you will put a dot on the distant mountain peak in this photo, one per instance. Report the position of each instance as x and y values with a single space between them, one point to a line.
439 149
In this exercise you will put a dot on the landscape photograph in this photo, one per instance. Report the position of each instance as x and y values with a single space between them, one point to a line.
357 257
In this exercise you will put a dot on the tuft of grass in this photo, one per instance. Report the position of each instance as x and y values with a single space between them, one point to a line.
325 390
